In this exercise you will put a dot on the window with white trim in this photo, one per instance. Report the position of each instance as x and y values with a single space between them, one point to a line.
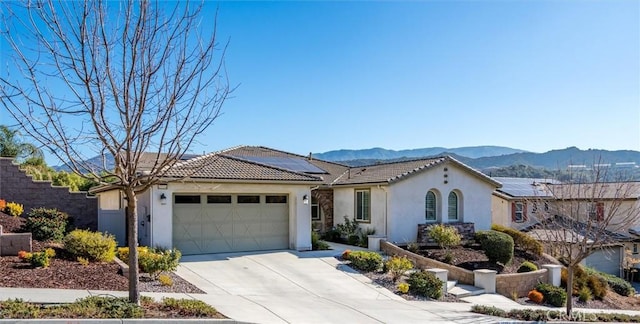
430 206
363 205
315 209
519 212
453 206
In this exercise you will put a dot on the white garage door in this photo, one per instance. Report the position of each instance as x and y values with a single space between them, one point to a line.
217 223
607 260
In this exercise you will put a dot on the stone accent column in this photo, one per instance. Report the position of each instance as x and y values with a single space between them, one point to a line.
441 274
554 273
485 279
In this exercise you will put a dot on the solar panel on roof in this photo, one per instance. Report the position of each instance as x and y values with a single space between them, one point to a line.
287 163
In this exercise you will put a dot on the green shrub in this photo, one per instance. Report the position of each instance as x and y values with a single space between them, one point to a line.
426 284
553 295
445 236
153 261
353 239
488 310
189 307
316 244
365 260
18 309
521 240
619 285
14 209
46 224
403 287
497 246
398 266
332 235
413 247
165 280
363 240
348 228
527 267
597 285
584 295
106 307
94 246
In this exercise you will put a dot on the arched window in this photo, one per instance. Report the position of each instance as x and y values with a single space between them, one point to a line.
453 206
430 206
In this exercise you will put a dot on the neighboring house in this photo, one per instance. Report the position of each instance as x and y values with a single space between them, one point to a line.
519 200
252 198
393 198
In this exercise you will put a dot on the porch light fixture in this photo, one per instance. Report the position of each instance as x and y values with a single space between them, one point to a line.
305 199
163 198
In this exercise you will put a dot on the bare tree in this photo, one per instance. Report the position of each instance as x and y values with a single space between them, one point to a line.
117 79
584 214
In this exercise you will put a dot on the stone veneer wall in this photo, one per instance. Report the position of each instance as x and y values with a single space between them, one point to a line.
466 230
16 185
521 283
506 284
463 276
325 200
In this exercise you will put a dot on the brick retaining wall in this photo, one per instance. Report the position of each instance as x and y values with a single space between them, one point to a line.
16 185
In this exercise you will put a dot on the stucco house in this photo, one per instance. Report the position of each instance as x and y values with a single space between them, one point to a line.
517 202
251 198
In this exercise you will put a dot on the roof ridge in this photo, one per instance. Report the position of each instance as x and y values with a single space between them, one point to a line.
298 155
200 157
239 158
403 161
428 165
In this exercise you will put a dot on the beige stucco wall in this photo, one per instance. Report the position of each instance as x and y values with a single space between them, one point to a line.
344 205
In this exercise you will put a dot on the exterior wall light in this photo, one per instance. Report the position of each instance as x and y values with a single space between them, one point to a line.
305 199
163 199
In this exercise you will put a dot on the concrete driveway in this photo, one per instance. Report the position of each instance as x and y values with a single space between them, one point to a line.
306 287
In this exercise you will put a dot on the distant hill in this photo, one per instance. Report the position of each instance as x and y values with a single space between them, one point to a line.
384 154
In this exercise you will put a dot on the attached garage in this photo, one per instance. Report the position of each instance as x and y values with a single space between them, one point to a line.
217 223
607 259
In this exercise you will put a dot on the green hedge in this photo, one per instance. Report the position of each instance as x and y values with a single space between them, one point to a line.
46 224
527 267
426 284
497 246
553 295
521 240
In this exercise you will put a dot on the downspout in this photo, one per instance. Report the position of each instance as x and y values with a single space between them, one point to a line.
386 206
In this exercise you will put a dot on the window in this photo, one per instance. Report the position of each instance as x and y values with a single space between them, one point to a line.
187 199
249 199
363 205
596 211
315 209
518 212
635 249
282 199
453 206
219 199
534 208
430 206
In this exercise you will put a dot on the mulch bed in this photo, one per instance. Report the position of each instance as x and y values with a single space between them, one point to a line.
66 273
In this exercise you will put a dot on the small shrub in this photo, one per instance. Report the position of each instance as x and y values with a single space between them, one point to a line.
348 228
426 284
345 254
46 224
189 307
365 260
398 266
413 247
535 296
332 235
83 261
584 295
49 252
41 259
123 253
597 285
155 261
24 255
363 241
488 310
353 239
3 204
108 307
14 209
316 244
403 287
554 296
165 280
497 246
521 240
18 309
514 295
445 236
448 258
527 267
94 246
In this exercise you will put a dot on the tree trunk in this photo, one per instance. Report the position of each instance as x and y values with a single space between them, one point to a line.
569 290
132 225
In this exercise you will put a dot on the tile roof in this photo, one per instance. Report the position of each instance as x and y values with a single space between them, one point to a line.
396 171
224 167
601 190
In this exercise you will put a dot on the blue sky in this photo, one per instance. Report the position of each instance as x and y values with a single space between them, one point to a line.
534 75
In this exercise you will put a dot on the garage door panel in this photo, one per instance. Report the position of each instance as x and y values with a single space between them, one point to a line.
221 224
